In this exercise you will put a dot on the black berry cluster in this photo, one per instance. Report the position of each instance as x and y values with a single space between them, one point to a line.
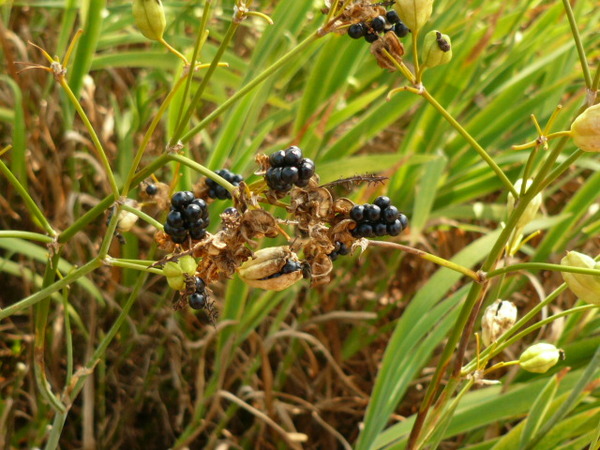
197 300
289 168
378 219
215 190
380 24
188 217
341 249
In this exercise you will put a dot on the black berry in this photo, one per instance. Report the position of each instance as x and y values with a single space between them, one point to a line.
383 202
192 212
371 37
365 230
392 16
307 169
175 219
357 30
200 285
181 199
290 266
197 301
277 159
403 221
293 155
401 29
217 191
372 212
151 189
290 174
357 213
197 233
394 229
378 23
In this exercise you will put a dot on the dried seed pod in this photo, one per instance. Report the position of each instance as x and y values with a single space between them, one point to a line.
414 13
437 49
126 219
497 319
540 357
268 269
393 46
585 129
149 17
586 287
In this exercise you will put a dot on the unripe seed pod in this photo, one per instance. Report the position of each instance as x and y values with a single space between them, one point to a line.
149 17
497 319
437 49
177 283
532 208
172 269
585 129
540 357
586 287
188 265
414 13
264 269
126 221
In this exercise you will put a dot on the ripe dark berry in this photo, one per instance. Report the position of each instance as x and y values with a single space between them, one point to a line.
290 174
172 230
302 183
290 266
236 179
293 155
365 230
372 212
401 29
175 219
392 16
307 168
357 30
231 211
383 202
181 199
200 285
221 193
179 238
371 37
192 212
357 213
344 250
390 214
277 159
197 301
394 229
380 229
197 233
151 189
378 23
403 220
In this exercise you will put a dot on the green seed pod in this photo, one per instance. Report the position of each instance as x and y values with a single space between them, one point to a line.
172 269
263 270
531 209
540 357
176 283
496 320
586 287
149 17
437 49
188 265
414 13
585 129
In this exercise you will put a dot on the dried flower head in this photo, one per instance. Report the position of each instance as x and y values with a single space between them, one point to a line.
497 319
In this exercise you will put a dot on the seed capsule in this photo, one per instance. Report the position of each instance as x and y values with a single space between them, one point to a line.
540 357
531 209
433 53
497 319
266 269
586 287
585 129
414 13
149 17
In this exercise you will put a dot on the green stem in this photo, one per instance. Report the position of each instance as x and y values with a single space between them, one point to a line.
29 203
44 293
203 170
148 135
129 265
198 95
251 85
26 235
478 148
429 257
580 51
542 266
142 215
93 136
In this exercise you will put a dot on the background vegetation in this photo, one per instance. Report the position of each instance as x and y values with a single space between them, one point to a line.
106 362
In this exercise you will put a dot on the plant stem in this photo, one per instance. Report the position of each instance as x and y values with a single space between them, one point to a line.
542 266
429 257
129 265
203 170
93 136
29 203
478 148
251 85
580 51
26 235
142 215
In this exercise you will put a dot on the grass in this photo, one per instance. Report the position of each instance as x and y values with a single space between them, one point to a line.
383 356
